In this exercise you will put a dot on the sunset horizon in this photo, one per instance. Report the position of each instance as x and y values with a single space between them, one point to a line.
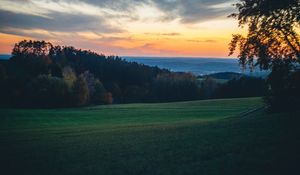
127 28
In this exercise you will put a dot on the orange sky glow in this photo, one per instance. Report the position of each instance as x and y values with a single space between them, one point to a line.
198 28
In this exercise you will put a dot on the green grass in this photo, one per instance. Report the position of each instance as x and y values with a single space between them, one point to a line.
200 137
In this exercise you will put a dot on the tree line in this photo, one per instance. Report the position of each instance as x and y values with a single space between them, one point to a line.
39 74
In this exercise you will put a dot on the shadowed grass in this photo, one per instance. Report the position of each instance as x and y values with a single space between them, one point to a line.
200 137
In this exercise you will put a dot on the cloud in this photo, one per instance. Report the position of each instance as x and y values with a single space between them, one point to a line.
127 5
107 24
188 11
164 34
202 41
193 11
103 16
56 22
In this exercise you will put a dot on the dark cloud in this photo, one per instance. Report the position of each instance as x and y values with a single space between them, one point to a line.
57 21
125 5
191 11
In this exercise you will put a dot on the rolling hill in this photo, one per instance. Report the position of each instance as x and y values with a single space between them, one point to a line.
197 137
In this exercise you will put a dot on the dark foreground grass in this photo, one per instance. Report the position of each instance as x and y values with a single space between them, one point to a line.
202 137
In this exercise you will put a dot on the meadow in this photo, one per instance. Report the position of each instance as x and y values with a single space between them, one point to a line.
225 136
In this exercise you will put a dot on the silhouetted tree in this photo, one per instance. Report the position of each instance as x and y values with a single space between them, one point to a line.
272 39
271 34
33 58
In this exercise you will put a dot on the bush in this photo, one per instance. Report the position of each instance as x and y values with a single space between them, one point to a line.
80 91
242 87
47 91
99 97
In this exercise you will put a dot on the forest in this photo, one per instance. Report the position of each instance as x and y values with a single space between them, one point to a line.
39 74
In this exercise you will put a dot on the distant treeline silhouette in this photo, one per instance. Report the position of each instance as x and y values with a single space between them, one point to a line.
42 75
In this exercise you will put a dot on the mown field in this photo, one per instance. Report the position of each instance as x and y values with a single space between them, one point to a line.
200 137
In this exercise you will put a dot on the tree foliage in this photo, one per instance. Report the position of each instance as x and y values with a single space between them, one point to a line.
42 75
47 91
37 69
273 32
80 91
273 39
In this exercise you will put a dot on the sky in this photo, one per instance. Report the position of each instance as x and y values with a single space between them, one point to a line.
197 28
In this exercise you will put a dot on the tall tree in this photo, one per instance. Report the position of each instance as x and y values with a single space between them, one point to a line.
273 32
273 39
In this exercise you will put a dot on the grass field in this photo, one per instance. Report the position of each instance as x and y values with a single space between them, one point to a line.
200 137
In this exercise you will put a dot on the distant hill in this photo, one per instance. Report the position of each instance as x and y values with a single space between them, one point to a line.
198 66
4 56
